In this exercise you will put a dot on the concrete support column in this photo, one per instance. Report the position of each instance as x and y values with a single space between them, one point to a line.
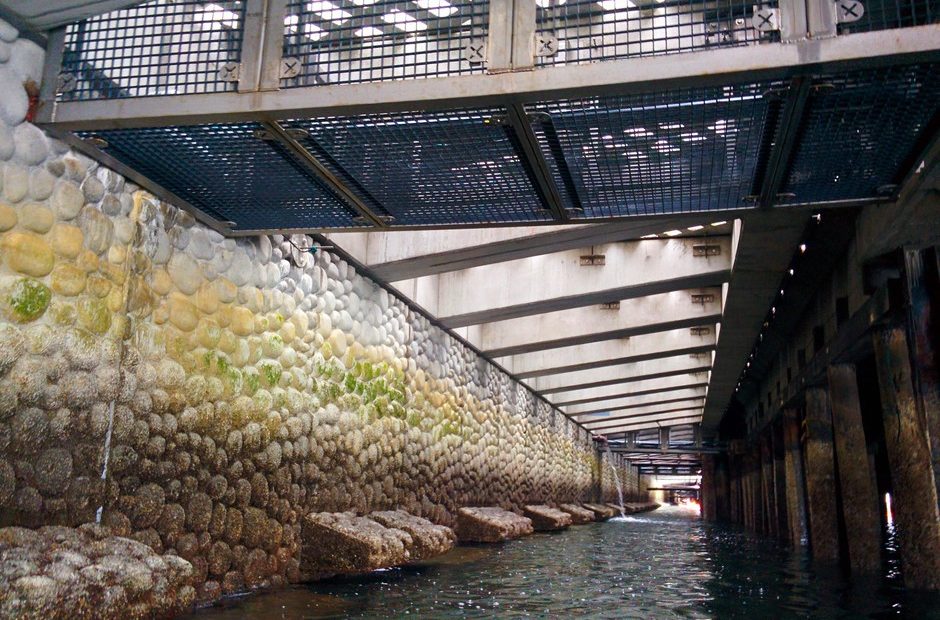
908 448
820 477
859 492
793 463
779 481
709 508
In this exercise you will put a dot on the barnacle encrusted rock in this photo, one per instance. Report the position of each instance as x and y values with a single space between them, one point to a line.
546 518
490 524
77 573
579 515
427 539
342 543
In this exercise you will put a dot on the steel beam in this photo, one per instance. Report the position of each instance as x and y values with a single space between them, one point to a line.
634 75
614 375
786 131
672 451
530 152
313 165
660 407
638 426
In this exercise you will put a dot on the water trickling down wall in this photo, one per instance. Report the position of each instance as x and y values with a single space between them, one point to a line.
205 393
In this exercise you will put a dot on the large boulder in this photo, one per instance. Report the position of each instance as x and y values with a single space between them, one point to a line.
489 524
427 539
77 573
579 515
340 543
546 518
602 512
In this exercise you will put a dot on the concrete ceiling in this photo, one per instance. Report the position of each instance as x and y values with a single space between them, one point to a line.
615 324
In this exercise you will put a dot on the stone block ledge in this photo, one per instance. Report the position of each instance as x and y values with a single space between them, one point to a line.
546 518
490 524
579 515
602 512
342 543
85 572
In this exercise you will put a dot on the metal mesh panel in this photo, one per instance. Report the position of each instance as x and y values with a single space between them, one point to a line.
437 168
680 151
885 14
579 31
229 173
348 41
859 131
157 48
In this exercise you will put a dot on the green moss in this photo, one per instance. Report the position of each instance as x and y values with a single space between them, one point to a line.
252 382
350 383
413 418
222 365
271 373
27 300
94 316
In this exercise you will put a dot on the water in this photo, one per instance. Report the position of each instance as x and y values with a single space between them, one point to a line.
610 459
663 564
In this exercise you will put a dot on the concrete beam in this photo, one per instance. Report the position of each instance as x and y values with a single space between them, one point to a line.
558 281
765 244
645 315
627 403
681 420
662 386
657 411
404 254
609 352
624 373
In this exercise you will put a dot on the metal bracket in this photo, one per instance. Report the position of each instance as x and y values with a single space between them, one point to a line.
229 71
848 11
475 51
290 68
593 260
706 249
765 19
546 44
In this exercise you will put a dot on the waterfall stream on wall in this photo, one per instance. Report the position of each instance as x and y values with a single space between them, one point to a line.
610 460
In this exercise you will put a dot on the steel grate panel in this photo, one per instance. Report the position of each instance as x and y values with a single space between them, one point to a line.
580 31
159 48
860 130
679 151
229 173
887 14
431 168
351 41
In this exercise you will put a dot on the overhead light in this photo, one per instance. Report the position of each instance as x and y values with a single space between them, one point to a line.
328 11
403 21
673 233
652 236
229 19
721 223
368 31
438 8
791 271
802 248
694 228
616 5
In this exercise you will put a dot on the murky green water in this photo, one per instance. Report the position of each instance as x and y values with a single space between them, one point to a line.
663 564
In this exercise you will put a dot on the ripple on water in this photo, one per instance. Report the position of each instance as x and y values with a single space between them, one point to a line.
662 564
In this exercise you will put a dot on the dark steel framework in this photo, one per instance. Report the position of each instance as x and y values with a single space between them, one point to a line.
503 131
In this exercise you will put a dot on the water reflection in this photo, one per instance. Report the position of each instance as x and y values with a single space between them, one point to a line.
662 564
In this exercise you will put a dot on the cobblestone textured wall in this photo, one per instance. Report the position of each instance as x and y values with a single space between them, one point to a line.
204 393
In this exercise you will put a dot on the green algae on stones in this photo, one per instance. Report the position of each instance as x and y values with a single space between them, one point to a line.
94 316
26 300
